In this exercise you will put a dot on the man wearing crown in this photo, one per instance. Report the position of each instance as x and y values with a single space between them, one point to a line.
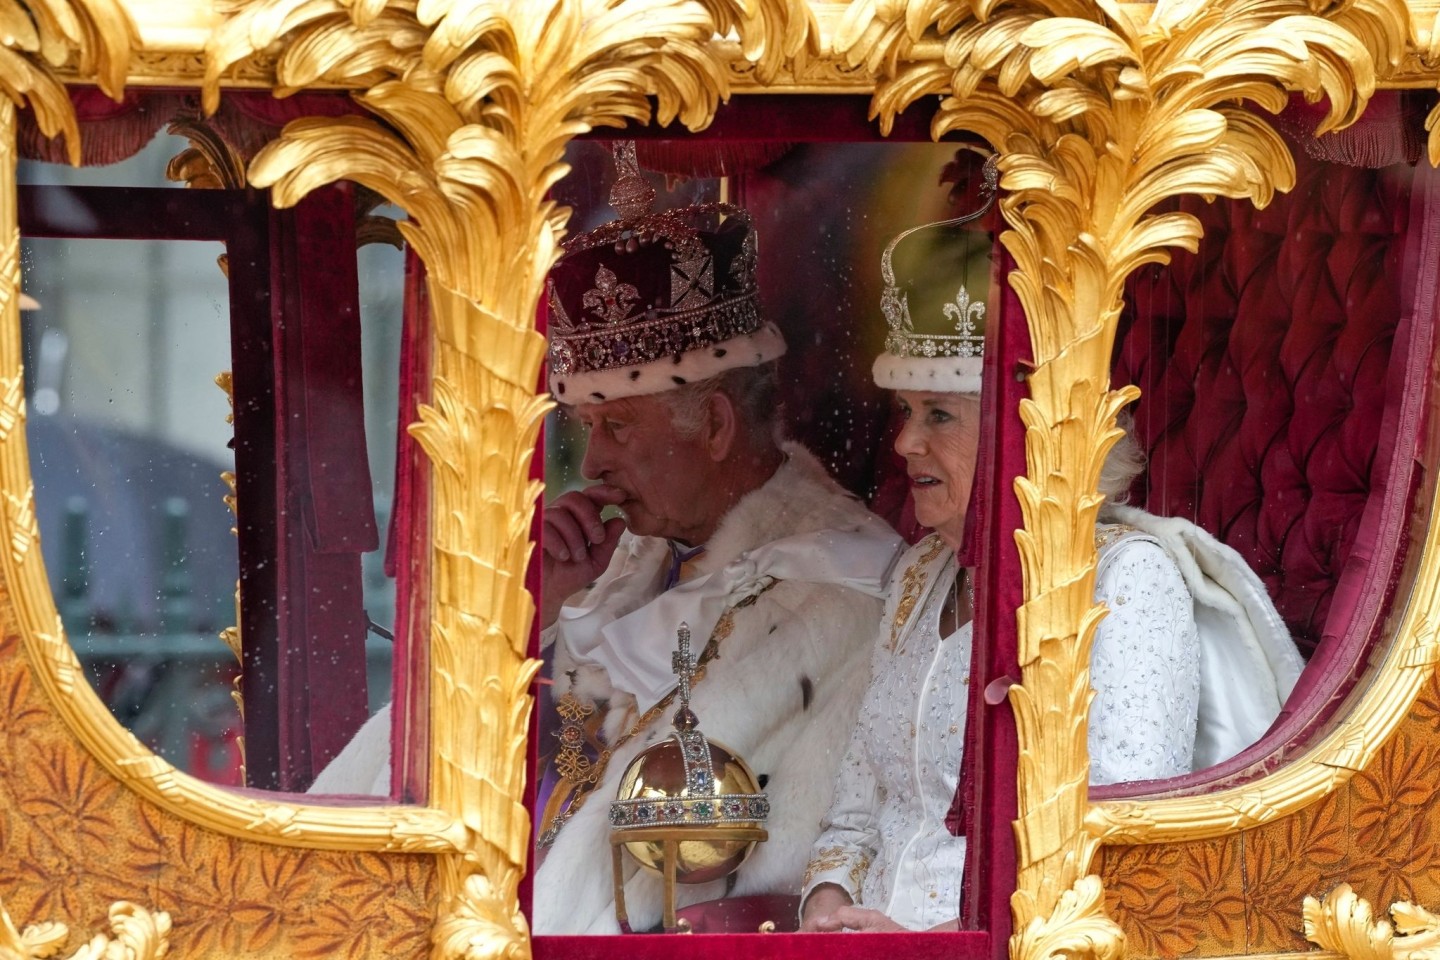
659 349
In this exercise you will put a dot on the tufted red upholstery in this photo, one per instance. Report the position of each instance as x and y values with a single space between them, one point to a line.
1264 429
1286 370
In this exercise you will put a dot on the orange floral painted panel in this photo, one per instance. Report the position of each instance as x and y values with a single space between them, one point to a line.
73 841
1380 833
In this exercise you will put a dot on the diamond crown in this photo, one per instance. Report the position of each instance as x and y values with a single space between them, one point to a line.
698 302
967 341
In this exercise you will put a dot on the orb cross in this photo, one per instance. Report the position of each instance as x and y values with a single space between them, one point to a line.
683 664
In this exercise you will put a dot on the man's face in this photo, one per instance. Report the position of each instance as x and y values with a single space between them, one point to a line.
633 446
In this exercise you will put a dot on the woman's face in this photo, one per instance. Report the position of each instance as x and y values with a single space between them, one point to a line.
939 442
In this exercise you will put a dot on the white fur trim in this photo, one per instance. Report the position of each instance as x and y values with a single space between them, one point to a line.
657 376
363 766
800 498
796 636
942 374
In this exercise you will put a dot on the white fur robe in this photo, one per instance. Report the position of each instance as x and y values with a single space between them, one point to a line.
782 693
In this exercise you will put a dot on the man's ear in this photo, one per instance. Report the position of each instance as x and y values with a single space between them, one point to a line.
722 425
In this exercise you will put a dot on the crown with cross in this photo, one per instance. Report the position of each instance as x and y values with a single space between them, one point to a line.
653 301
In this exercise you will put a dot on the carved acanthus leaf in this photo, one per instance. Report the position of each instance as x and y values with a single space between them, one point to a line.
42 35
1100 112
135 934
481 926
1078 927
209 163
1345 923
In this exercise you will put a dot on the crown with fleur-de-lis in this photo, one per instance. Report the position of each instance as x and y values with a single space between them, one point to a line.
947 350
653 301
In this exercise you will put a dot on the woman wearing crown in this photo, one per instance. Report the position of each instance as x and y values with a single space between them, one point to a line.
1186 672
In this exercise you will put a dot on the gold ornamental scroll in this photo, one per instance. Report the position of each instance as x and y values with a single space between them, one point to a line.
1345 923
1100 112
135 934
480 103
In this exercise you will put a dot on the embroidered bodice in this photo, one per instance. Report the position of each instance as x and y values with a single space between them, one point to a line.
885 841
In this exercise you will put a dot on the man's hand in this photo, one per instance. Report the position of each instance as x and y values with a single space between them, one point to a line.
822 903
576 544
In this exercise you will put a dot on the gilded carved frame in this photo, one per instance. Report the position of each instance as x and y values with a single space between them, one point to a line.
1100 110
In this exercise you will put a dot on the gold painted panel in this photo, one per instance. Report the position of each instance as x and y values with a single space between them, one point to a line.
74 840
1379 832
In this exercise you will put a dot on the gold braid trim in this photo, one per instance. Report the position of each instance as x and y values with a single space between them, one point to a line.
824 861
912 584
578 775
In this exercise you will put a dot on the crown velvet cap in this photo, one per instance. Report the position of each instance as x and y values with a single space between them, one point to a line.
653 302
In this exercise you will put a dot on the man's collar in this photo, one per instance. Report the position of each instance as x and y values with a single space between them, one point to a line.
680 554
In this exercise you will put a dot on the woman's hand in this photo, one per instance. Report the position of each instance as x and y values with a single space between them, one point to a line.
851 917
823 901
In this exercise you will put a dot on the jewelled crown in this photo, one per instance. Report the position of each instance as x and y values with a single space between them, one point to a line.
936 338
653 301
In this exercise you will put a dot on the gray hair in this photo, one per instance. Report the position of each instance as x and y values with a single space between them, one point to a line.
755 391
1123 464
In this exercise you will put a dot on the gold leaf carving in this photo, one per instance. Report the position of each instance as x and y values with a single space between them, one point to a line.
56 650
1100 112
207 144
1345 923
12 404
24 530
36 940
135 934
480 927
1345 749
277 819
41 36
1078 927
1122 820
209 163
478 104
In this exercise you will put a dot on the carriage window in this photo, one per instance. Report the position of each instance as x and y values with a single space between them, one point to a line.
128 453
775 557
212 396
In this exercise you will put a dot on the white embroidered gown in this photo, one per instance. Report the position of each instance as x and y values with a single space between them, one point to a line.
885 841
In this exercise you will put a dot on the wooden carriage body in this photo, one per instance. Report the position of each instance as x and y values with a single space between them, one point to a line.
1279 345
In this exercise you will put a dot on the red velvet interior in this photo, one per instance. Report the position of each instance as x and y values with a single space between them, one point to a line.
407 552
965 945
1281 404
1262 430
